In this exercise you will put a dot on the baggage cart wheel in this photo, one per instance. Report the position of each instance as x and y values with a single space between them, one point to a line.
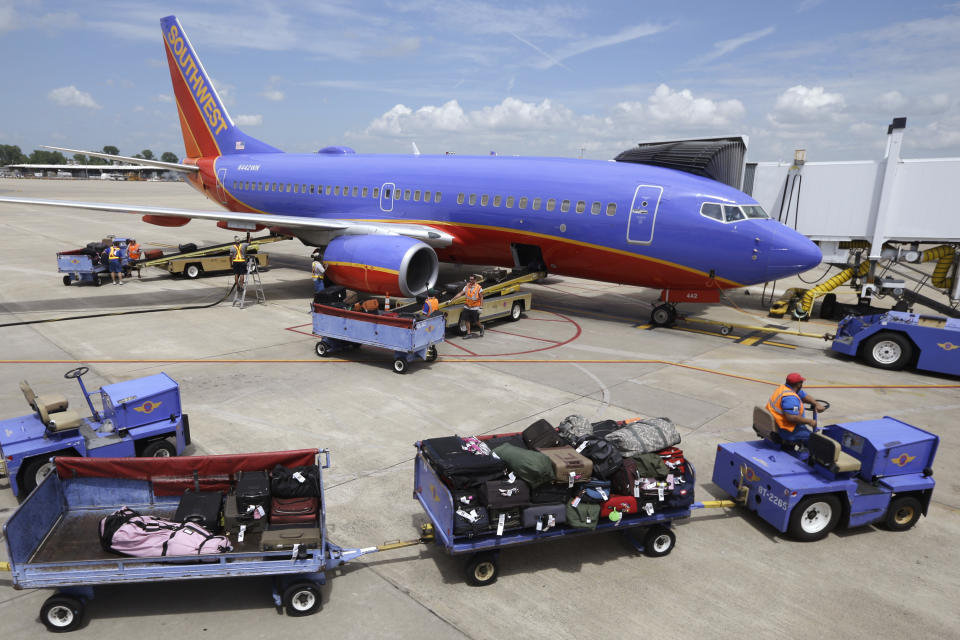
60 614
725 331
193 270
814 517
903 513
66 281
97 281
888 350
516 311
482 569
322 349
159 449
400 365
301 599
33 474
431 353
659 541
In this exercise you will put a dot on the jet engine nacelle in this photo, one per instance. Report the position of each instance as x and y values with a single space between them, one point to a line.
394 265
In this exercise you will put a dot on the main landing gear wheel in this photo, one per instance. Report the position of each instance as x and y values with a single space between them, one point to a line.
431 353
663 315
159 449
60 614
903 513
76 373
814 517
659 541
400 365
301 599
482 569
888 350
516 311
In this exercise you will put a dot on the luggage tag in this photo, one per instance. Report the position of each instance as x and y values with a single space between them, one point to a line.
511 478
500 522
296 550
539 524
648 508
259 512
583 445
470 516
616 517
299 477
243 529
603 494
467 500
636 488
660 493
506 493
573 477
575 502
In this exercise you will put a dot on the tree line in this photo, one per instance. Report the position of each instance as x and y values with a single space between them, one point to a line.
11 154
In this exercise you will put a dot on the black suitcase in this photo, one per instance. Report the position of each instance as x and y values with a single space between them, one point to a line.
605 456
200 507
190 246
542 435
550 493
469 517
514 439
500 494
511 519
253 490
296 482
461 469
329 295
233 519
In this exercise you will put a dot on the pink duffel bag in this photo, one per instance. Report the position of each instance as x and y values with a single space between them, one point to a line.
130 534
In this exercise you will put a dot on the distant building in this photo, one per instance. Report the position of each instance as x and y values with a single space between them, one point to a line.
86 171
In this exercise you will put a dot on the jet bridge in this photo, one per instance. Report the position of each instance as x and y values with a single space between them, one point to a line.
870 218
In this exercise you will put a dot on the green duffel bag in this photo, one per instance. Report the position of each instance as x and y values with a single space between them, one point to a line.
586 515
532 467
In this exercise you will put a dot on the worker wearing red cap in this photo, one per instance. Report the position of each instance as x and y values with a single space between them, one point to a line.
786 405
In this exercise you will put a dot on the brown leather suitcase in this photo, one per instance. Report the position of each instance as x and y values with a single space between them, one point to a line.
567 461
302 511
284 538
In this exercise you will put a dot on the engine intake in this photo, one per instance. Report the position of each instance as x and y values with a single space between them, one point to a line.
395 265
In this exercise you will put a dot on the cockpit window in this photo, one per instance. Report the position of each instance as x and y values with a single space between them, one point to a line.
732 214
712 210
754 211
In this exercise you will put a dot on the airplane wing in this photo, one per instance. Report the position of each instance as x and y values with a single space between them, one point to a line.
169 166
430 236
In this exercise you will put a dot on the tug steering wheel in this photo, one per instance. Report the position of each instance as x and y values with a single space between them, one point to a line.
76 373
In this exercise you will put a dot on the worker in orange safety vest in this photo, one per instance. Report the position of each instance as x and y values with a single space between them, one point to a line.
474 305
787 406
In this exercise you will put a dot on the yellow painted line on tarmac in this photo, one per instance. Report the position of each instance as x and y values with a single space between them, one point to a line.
749 342
453 360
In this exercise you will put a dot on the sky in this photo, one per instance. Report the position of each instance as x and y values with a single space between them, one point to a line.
556 78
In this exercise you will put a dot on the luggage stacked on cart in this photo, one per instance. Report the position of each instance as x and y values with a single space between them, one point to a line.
266 510
572 476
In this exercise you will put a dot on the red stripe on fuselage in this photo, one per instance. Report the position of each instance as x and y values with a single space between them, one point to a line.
189 110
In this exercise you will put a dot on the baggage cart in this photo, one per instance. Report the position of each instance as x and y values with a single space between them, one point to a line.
79 265
53 537
408 336
657 537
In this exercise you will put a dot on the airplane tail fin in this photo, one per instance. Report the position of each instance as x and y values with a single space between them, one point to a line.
207 128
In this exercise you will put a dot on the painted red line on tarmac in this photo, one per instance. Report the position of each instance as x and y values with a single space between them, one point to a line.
520 335
547 348
296 329
454 344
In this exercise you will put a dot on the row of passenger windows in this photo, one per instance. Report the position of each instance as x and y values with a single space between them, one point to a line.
425 196
535 203
731 213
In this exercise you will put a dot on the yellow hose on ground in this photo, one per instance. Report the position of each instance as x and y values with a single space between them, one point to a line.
806 304
944 257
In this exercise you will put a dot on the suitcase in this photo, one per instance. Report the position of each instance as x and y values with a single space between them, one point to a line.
253 490
201 507
152 254
296 482
605 457
623 504
595 491
469 517
283 539
585 515
626 481
568 465
461 469
515 439
500 494
542 435
511 519
544 517
190 246
551 493
293 510
233 520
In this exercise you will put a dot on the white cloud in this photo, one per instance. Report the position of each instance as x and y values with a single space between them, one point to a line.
865 129
273 94
248 120
72 97
681 108
8 19
724 47
806 104
163 97
892 100
624 35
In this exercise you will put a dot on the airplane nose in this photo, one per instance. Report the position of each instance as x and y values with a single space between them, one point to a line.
791 254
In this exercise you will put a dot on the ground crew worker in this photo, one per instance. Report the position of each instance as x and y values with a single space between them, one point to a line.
786 405
133 253
317 269
238 261
430 304
474 305
115 262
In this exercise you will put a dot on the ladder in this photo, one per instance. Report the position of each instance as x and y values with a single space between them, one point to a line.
252 279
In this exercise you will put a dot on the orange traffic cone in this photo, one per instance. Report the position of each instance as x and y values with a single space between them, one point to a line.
386 302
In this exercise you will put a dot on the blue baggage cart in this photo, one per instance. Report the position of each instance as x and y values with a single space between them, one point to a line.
483 564
53 537
78 266
406 336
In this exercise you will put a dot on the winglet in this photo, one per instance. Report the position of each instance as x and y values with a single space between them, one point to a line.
207 128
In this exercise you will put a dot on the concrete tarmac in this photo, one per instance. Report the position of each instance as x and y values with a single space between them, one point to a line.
250 381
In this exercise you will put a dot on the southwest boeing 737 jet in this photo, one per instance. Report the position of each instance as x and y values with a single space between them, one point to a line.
385 221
